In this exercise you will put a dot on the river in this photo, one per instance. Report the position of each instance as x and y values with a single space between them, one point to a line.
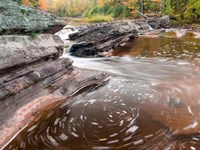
151 102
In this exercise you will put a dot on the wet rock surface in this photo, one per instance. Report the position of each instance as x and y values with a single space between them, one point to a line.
93 40
30 69
57 82
96 40
32 74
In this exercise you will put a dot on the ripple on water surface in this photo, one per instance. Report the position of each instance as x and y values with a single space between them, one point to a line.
114 116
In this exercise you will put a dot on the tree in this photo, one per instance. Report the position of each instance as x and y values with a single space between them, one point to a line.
192 13
43 4
26 2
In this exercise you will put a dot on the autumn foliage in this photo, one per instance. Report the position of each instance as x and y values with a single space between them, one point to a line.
188 10
43 4
26 2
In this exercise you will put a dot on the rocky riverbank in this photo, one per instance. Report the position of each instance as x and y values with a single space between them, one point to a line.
100 39
32 73
34 79
95 40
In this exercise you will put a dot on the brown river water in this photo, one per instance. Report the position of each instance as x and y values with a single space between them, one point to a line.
151 102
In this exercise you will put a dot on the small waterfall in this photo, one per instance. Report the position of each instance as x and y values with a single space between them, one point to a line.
66 31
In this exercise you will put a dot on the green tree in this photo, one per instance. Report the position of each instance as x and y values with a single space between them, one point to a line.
192 13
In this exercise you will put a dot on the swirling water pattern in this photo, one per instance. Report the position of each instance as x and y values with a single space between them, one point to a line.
110 117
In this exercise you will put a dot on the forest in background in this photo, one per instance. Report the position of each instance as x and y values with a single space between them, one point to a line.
185 11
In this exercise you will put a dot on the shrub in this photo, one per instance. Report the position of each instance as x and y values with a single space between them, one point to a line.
192 13
105 9
115 10
121 11
33 35
95 19
18 1
93 11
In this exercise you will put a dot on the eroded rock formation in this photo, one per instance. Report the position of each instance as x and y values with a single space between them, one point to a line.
23 50
94 40
32 74
99 39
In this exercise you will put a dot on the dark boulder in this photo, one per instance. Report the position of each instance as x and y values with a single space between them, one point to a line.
153 24
83 49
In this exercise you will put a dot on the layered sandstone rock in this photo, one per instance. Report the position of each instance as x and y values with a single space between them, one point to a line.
99 39
32 74
23 50
94 40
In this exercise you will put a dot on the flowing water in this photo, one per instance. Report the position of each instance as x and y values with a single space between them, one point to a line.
151 102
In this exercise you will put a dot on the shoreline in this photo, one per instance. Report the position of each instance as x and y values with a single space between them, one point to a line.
23 116
28 105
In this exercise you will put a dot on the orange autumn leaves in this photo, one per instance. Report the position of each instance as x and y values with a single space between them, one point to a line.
26 2
42 4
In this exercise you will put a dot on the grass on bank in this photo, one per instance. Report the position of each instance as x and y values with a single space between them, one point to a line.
95 19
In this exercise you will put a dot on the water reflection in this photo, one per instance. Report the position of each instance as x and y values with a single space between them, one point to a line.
164 45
